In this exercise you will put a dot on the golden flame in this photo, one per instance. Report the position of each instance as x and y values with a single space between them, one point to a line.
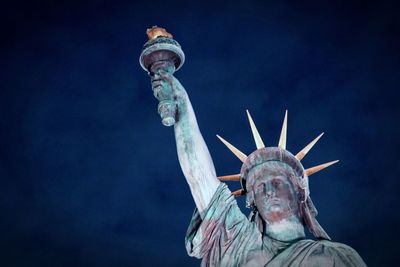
155 32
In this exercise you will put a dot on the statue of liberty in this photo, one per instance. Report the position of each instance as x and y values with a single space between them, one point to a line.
273 180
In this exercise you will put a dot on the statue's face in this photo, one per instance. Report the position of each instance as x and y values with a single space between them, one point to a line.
274 195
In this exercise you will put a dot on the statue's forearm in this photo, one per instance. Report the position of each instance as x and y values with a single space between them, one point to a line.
194 157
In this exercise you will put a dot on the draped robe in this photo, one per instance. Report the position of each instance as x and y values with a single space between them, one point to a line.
223 236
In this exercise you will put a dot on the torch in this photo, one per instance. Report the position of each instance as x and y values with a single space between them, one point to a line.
162 53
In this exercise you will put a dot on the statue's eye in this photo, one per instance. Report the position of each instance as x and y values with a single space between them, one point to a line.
260 188
276 183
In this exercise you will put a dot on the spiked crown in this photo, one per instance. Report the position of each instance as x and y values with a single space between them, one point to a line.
300 181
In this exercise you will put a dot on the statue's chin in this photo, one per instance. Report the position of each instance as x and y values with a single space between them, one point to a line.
285 229
277 214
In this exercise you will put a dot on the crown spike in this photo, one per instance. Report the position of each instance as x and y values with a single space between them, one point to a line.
238 193
282 139
305 150
234 150
257 138
312 170
233 177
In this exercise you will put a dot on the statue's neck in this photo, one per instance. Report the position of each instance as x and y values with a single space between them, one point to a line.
285 230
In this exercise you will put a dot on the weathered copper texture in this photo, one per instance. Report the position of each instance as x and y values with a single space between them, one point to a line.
162 53
279 154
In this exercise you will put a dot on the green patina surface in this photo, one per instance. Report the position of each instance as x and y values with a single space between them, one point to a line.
223 236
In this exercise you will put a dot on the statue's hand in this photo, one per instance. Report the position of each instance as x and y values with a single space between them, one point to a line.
172 96
167 87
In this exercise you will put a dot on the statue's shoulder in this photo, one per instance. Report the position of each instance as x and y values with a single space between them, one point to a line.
334 246
338 253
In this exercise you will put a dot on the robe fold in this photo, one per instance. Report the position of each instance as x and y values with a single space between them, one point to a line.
223 236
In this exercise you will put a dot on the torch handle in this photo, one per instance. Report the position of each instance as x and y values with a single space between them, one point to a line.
165 95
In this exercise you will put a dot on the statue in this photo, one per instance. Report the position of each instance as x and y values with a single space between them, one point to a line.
273 180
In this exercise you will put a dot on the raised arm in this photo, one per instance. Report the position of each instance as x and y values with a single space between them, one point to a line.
193 154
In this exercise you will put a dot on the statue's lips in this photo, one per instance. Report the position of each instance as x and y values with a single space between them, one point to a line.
273 201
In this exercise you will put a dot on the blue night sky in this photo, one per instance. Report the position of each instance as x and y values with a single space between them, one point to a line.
90 176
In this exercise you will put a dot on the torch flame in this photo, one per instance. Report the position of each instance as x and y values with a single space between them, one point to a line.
155 32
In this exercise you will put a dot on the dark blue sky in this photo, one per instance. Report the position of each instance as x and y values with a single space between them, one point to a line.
90 177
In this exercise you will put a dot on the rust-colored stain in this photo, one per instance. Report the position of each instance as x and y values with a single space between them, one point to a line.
234 177
238 193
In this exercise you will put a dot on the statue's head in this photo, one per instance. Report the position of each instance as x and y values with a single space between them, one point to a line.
275 182
273 185
272 194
